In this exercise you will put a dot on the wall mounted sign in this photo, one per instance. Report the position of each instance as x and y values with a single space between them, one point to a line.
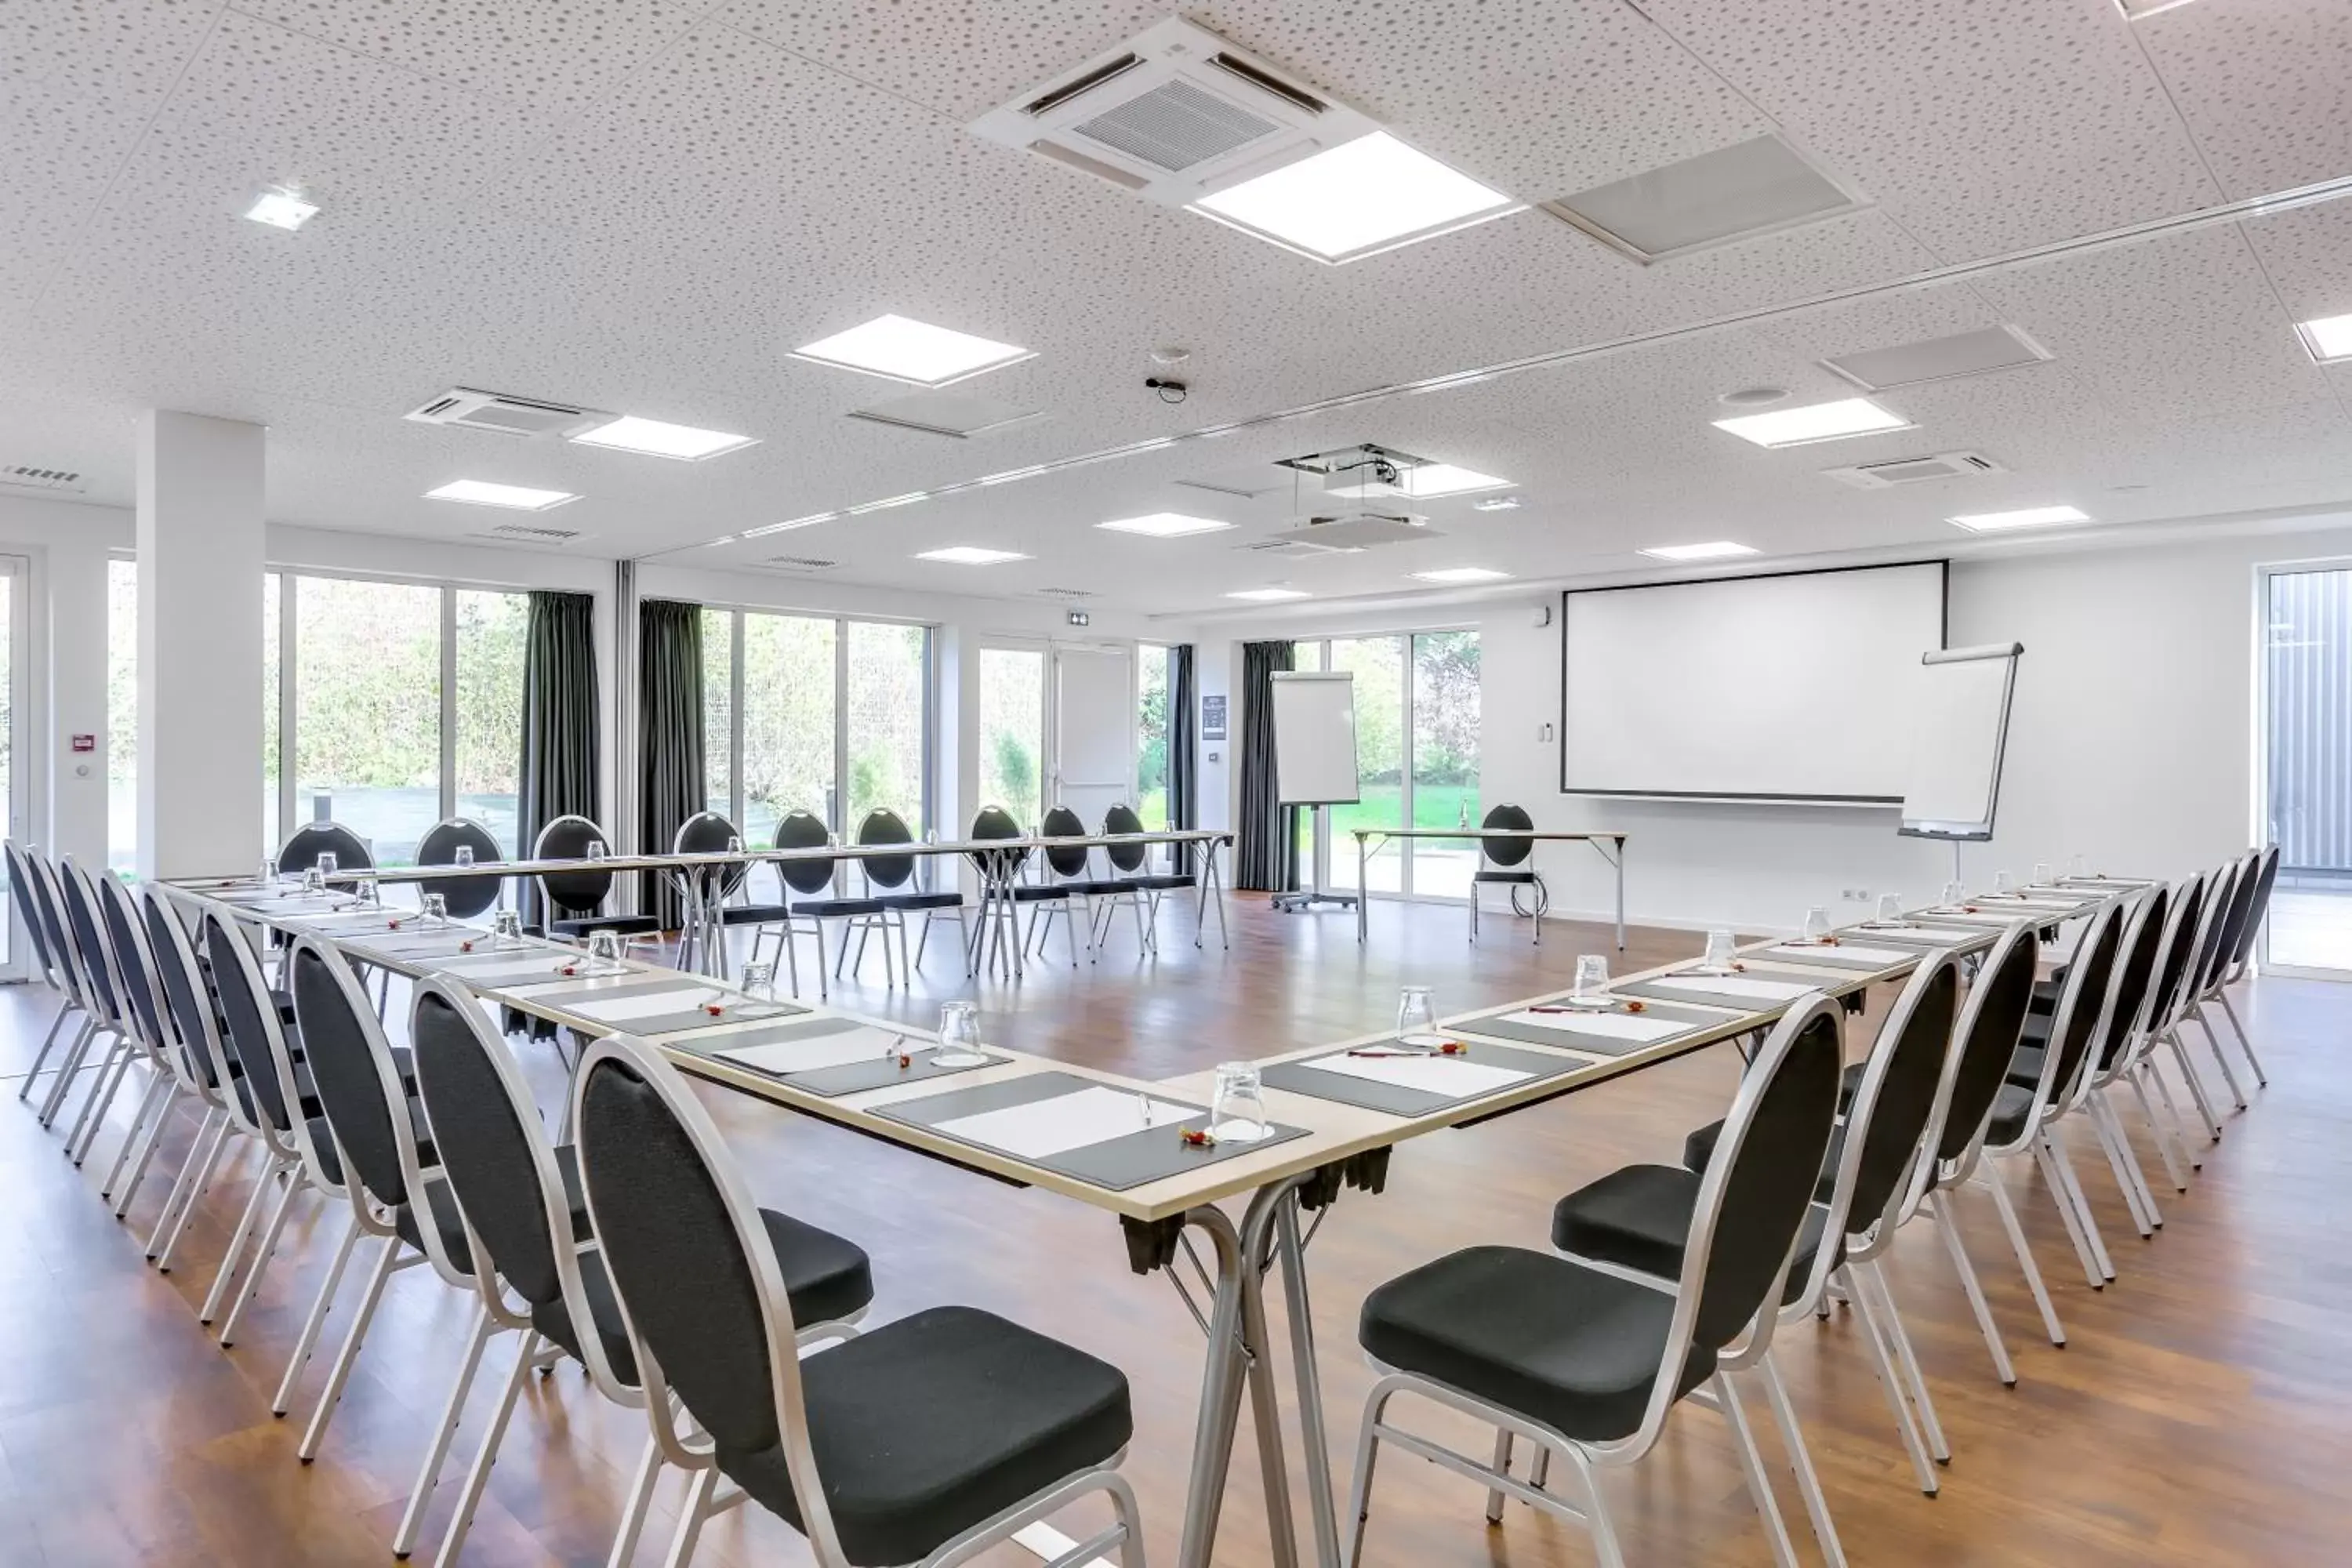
1212 716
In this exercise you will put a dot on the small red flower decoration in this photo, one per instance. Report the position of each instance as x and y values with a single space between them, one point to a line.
569 969
1452 1048
466 945
906 1061
1197 1138
1637 1007
714 1008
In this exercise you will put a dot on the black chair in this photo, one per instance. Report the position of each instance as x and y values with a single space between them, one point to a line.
1637 1218
103 974
466 896
303 846
706 832
172 1074
1131 870
515 1190
804 881
998 872
55 965
86 972
1069 888
922 1441
892 881
1509 863
2231 946
2212 899
575 900
2110 1058
1587 1363
2175 974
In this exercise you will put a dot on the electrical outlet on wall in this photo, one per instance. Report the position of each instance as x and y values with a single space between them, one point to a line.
1856 895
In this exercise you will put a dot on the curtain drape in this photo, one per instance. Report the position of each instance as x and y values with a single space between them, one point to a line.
1267 855
559 721
669 732
1184 727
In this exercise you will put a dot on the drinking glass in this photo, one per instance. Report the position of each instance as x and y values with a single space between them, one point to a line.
2003 882
2041 873
269 871
2080 866
463 856
959 1035
1890 908
1416 1022
326 863
734 847
1591 983
760 980
506 929
605 947
314 881
1817 924
1722 952
436 909
1237 1115
1956 892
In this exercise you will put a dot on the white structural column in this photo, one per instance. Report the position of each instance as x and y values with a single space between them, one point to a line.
202 552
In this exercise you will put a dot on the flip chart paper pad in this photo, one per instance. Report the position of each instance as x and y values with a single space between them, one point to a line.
1044 1128
1452 1077
1611 1026
861 1044
1731 986
1958 728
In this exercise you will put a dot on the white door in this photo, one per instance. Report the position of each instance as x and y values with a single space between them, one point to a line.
1094 731
16 953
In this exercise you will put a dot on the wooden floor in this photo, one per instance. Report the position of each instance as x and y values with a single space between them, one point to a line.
2198 1414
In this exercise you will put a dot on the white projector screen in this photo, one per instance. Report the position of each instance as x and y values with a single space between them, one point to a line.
1315 739
1798 687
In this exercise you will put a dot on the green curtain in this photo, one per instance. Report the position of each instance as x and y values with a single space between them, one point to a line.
1266 857
1183 726
669 737
559 720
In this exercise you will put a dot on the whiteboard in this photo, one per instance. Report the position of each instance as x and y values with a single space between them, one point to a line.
1792 688
1315 738
1954 775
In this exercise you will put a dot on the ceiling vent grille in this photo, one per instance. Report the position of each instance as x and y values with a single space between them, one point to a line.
1939 359
503 415
64 481
1173 114
800 563
529 533
1915 470
1066 593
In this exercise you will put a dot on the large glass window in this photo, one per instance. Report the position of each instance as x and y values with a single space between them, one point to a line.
1416 761
1152 735
122 714
2308 768
889 710
1377 665
1013 731
834 718
367 713
273 609
489 637
1445 759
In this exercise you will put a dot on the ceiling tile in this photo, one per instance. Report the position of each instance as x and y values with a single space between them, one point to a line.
129 54
2266 87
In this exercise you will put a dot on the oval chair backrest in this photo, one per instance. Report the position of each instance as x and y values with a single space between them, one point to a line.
882 825
1507 852
2265 879
2221 897
2080 1020
691 1263
708 833
330 1010
567 838
1896 1099
466 896
307 842
1991 1021
182 982
2134 978
256 1033
2246 873
1126 857
49 893
96 958
484 1145
21 890
801 829
2179 947
138 977
995 822
1068 860
1761 1179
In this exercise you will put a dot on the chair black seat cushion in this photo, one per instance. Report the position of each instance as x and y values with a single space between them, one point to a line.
445 1209
446 1220
1522 878
2014 1104
1545 1336
2045 991
831 909
753 914
2025 1067
1044 892
626 925
942 900
1160 882
928 1425
554 1320
1699 1148
1640 1217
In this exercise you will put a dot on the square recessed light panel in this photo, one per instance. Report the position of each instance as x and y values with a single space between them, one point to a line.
1714 550
1734 192
1463 575
1164 525
1814 422
1266 595
2025 517
971 555
1939 359
2329 338
281 208
911 350
1355 200
515 498
629 434
1427 482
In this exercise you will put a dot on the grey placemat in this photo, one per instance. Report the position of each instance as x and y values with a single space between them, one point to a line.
847 1078
1925 937
1151 1154
409 946
687 1019
1498 1023
644 986
522 968
1732 1000
1828 957
1397 1100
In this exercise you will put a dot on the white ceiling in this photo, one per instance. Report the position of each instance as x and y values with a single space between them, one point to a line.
644 204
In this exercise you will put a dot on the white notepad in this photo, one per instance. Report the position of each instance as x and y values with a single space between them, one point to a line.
1453 1077
1044 1128
1731 986
1613 1025
837 1049
626 1008
1946 934
1847 950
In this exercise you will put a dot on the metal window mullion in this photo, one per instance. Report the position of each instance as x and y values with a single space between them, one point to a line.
735 719
1407 742
841 725
931 751
449 702
288 701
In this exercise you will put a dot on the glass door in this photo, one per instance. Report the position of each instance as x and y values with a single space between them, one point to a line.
15 780
1416 762
2307 769
1013 731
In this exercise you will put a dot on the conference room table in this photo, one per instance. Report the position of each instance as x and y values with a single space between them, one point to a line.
1334 1113
997 861
1610 847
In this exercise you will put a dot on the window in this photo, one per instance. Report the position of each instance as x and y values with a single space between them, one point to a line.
1377 665
2307 769
272 708
1013 731
811 713
122 714
491 632
367 710
1152 735
1445 759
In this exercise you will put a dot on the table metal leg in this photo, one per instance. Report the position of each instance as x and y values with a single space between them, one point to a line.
1221 1393
1364 905
1292 1255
